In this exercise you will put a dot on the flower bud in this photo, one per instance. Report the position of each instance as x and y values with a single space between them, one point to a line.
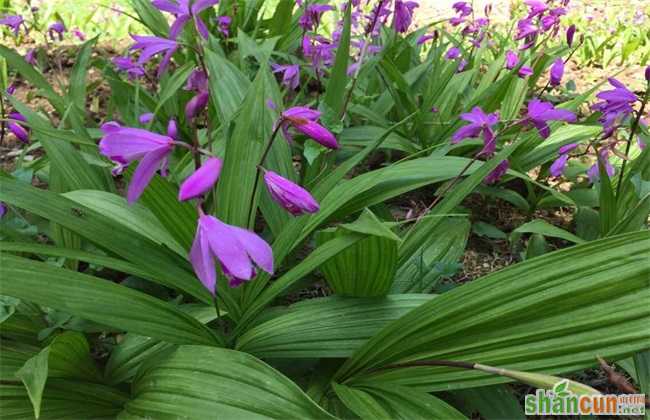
295 199
570 33
202 180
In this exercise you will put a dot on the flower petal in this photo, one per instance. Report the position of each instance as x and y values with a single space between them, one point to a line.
256 248
202 261
228 249
201 180
145 171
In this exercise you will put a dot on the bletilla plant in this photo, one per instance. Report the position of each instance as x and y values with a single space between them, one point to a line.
258 212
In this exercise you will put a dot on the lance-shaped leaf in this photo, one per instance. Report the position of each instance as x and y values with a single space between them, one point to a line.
199 381
327 327
100 300
550 314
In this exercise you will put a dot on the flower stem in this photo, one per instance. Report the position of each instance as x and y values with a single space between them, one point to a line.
259 166
633 129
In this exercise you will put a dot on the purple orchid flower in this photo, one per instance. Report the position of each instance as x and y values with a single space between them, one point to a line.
615 106
152 45
403 15
3 209
452 53
56 29
535 7
197 104
295 199
30 56
570 33
125 145
145 118
125 64
497 173
304 120
526 29
224 25
198 81
557 71
290 74
511 59
238 251
480 124
184 12
172 129
425 38
647 74
525 71
463 8
80 35
11 89
310 19
13 22
539 113
202 180
594 172
462 64
559 165
15 126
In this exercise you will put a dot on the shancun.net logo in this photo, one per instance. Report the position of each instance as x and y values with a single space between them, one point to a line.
562 401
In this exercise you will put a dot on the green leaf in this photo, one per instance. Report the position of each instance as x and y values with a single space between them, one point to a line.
229 88
495 402
173 84
199 381
67 356
543 227
134 217
443 248
151 17
549 314
326 327
403 403
488 230
165 266
360 402
536 246
77 83
63 399
100 300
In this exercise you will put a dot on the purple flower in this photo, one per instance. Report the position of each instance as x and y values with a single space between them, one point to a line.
616 105
125 145
198 81
403 15
319 50
125 64
511 60
58 29
461 65
525 71
452 53
11 89
238 251
80 35
526 29
539 113
425 38
3 209
202 180
647 74
559 165
172 129
463 8
304 120
310 19
184 12
196 105
295 199
30 57
480 124
498 172
15 126
152 45
570 33
557 71
290 74
145 118
535 7
224 25
594 172
13 22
